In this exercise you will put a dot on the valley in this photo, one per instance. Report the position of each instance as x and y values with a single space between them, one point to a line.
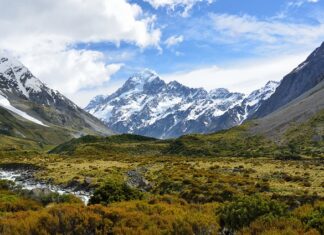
190 185
226 164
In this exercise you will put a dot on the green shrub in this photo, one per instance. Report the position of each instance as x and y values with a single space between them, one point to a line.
114 192
245 210
277 226
57 198
316 219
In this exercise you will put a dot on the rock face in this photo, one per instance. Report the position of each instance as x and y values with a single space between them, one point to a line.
305 77
146 105
28 95
300 110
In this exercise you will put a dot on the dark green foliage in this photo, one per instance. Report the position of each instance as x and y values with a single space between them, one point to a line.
114 192
125 143
46 199
128 138
316 219
244 210
19 166
6 184
71 145
234 142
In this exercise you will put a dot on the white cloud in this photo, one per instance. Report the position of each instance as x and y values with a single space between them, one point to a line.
186 5
242 77
174 40
269 33
71 70
42 33
299 3
78 21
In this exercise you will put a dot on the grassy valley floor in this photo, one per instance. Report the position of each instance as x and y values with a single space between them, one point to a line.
178 195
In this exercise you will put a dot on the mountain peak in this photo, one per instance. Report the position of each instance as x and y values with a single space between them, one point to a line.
145 80
15 75
175 85
7 61
144 76
146 105
219 92
272 84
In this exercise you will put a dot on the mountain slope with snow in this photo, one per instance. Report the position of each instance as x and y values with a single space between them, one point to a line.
24 95
146 105
6 104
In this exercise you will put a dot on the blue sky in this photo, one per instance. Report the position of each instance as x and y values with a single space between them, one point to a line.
202 44
237 44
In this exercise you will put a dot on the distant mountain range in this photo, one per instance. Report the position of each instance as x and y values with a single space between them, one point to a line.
26 102
146 105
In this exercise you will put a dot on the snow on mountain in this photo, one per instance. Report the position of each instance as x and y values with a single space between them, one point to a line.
6 104
253 102
147 105
19 76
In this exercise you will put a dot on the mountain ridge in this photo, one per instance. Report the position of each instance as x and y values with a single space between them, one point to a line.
303 78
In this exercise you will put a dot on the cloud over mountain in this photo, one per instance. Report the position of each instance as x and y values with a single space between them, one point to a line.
45 36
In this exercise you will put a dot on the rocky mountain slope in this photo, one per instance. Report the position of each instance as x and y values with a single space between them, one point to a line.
31 101
305 77
298 99
146 105
293 115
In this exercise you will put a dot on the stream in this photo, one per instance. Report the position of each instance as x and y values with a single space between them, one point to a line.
24 179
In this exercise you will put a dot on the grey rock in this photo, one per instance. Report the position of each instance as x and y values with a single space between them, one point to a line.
135 179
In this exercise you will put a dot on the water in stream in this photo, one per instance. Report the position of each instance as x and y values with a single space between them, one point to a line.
17 176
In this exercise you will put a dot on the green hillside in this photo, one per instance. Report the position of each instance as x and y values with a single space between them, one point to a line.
15 126
125 144
303 139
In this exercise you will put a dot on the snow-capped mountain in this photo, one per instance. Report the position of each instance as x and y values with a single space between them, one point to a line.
17 81
253 102
147 105
25 96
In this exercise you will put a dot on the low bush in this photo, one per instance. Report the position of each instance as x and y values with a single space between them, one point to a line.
164 215
276 226
114 192
10 202
244 210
